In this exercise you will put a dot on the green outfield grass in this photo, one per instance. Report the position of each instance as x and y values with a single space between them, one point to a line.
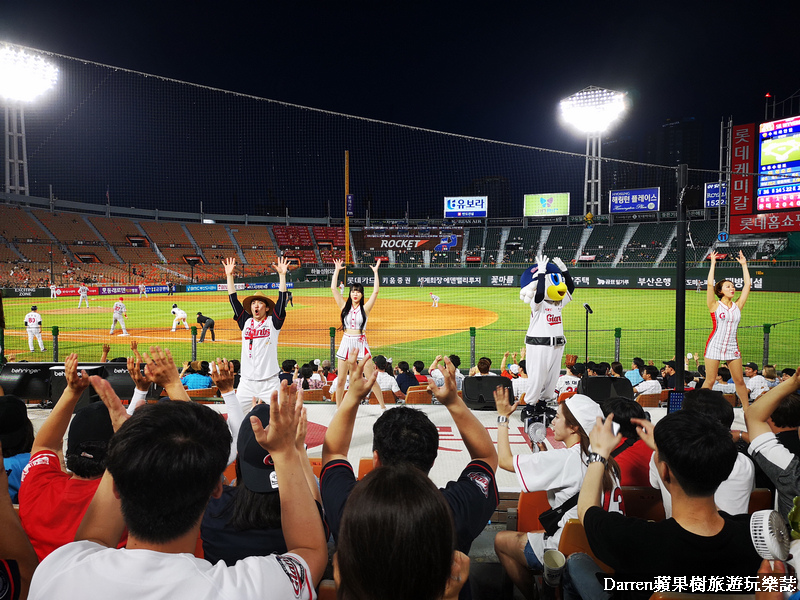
646 317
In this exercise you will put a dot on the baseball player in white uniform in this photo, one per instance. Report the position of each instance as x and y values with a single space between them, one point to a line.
435 299
53 293
33 323
120 314
84 295
142 291
180 317
547 287
261 320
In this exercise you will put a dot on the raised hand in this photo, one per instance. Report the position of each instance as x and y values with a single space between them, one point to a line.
338 264
501 401
229 264
135 371
222 375
282 266
109 397
359 387
448 392
160 367
284 416
376 266
76 382
741 259
560 264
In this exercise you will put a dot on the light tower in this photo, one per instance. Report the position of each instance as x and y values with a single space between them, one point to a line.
23 78
592 111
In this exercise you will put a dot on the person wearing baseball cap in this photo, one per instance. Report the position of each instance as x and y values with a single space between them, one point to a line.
51 501
756 384
260 320
208 325
670 368
33 324
246 519
559 472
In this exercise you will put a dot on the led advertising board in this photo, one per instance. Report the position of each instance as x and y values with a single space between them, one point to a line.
779 165
712 195
546 205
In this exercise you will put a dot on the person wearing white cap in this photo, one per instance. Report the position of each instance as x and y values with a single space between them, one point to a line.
559 472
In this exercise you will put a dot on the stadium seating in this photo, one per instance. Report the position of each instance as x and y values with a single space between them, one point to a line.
563 242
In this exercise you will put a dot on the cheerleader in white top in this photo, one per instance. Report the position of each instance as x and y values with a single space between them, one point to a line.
725 317
354 315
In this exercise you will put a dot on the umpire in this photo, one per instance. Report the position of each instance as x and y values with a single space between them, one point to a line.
208 324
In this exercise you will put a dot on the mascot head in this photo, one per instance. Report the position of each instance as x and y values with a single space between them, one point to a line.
554 286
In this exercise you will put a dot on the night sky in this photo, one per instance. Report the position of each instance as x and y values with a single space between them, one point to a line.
493 70
488 69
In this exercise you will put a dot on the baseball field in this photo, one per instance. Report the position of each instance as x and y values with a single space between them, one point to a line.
405 326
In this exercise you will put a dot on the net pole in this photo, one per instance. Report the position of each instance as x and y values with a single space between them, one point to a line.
346 213
680 285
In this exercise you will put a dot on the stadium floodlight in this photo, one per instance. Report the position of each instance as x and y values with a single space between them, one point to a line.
23 76
593 109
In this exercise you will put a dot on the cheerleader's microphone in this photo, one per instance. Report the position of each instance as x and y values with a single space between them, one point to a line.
588 308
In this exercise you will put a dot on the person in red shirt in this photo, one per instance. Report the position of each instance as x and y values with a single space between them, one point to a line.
632 453
51 501
419 366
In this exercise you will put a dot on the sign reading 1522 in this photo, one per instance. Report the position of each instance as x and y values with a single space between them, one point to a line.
466 206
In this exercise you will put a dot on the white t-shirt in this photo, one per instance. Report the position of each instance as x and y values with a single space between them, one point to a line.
648 386
560 473
89 571
33 321
732 495
757 386
520 386
387 382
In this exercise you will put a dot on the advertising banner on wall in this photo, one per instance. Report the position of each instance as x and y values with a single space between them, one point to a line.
433 239
713 197
774 222
629 201
466 206
742 164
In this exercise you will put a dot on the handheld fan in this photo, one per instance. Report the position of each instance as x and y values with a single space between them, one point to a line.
770 535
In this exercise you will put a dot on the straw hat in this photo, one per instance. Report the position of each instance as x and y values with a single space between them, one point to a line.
259 295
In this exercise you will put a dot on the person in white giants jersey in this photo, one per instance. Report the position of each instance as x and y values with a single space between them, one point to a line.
33 323
180 317
142 291
83 291
354 315
53 291
570 380
261 320
725 317
435 299
120 314
547 287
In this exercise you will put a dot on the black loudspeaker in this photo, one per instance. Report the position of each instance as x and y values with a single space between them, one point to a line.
478 391
58 383
28 380
600 389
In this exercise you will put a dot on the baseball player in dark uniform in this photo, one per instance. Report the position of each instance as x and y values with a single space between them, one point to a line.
208 324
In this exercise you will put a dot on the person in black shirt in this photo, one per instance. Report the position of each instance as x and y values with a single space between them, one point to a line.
208 324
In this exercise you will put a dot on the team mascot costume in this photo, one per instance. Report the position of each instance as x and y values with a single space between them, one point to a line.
547 287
